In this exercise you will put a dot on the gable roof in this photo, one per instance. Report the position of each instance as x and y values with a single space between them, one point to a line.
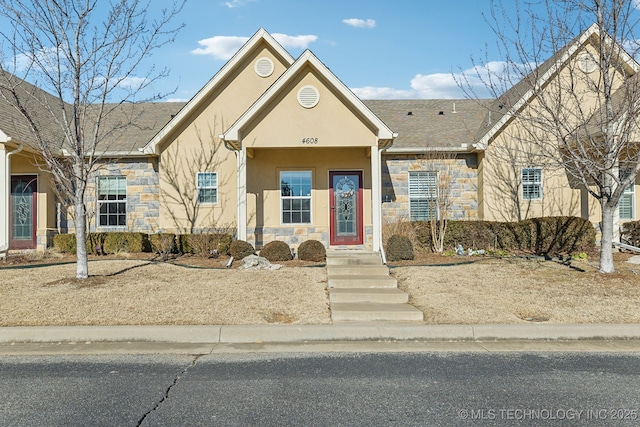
260 36
431 124
384 133
501 110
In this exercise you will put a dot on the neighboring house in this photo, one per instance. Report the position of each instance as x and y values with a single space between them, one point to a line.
277 148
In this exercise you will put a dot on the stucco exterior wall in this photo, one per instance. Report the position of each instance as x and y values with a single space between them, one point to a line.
197 138
520 145
462 170
263 192
285 123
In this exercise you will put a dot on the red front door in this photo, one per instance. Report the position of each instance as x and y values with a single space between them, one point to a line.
23 212
345 201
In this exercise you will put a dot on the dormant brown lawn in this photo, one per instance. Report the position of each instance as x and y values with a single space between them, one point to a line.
481 290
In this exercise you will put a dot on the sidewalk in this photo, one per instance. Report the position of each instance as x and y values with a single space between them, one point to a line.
356 332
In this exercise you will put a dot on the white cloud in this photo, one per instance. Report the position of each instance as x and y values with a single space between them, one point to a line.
45 59
132 82
224 47
295 42
220 47
371 92
236 3
445 85
362 23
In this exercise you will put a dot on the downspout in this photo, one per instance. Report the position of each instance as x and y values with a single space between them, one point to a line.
4 248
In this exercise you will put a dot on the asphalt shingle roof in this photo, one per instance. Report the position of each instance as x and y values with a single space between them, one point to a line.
431 123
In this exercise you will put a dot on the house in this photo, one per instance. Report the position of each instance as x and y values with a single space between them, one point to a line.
278 148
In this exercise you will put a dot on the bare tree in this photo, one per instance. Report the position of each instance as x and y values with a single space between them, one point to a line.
86 56
571 90
179 170
440 206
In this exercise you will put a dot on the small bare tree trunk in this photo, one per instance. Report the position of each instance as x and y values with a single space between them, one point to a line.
606 239
82 265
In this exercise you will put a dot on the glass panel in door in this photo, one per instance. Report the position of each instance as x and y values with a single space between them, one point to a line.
346 207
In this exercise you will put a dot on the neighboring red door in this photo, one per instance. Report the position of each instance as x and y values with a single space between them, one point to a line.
23 212
345 201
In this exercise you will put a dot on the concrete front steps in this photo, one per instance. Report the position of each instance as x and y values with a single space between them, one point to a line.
360 289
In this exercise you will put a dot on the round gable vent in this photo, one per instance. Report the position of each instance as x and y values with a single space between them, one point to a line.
264 67
308 96
587 63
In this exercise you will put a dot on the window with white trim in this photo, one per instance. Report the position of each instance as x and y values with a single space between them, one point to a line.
112 201
627 201
207 187
423 195
531 183
295 196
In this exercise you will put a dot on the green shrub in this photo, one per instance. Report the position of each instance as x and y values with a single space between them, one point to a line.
115 242
65 243
312 250
239 249
631 233
276 251
541 236
399 248
163 243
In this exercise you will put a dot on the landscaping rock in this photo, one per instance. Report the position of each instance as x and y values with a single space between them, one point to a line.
255 262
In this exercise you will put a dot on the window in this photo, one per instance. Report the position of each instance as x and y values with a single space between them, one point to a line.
295 193
625 207
112 201
423 195
207 187
532 183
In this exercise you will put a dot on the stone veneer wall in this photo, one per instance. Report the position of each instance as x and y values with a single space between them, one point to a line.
296 234
143 195
395 178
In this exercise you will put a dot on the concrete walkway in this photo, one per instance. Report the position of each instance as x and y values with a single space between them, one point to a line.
361 289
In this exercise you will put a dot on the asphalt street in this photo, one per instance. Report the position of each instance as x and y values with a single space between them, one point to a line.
306 388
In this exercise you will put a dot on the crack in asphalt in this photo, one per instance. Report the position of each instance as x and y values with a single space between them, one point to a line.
171 386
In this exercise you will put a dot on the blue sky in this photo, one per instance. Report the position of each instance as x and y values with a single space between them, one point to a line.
379 49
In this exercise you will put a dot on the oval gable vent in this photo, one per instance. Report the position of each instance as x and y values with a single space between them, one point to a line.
264 67
308 96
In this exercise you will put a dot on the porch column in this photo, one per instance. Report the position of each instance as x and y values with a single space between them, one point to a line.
5 192
4 201
376 202
242 193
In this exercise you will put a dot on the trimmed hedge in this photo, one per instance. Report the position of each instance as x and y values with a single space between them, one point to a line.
163 243
65 243
541 236
399 248
275 251
240 249
631 232
104 243
312 250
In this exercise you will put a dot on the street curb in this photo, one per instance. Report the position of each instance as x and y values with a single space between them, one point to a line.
238 334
